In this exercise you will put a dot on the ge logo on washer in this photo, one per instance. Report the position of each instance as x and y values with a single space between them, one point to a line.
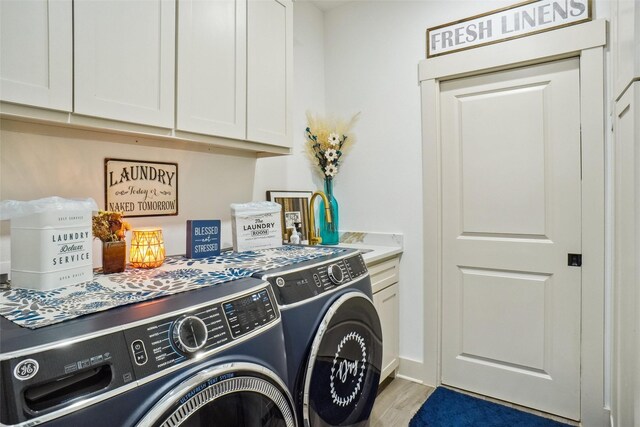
26 369
347 371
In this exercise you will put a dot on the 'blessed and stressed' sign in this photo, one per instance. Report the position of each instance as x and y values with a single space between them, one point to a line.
203 238
140 188
505 24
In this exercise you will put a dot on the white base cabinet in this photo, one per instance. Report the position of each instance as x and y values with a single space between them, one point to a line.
386 302
384 280
36 50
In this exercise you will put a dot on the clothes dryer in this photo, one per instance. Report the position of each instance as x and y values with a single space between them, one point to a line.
333 338
208 357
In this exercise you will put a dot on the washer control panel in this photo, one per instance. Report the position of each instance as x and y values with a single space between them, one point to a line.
90 368
190 334
169 341
335 273
249 313
306 283
46 381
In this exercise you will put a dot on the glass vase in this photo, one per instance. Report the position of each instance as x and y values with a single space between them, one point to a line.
329 231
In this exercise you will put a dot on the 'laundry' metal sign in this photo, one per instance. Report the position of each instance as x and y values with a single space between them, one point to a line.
505 24
141 188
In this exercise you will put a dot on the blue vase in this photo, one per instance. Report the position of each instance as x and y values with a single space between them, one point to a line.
329 231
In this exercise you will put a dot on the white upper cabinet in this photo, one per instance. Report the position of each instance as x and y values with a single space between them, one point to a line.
125 60
625 43
270 71
36 53
189 69
212 67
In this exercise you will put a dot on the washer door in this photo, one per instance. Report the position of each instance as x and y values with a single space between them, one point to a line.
234 395
344 366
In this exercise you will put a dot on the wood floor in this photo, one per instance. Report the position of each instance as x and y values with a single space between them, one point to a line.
398 402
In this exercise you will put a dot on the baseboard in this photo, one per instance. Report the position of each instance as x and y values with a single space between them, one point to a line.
412 370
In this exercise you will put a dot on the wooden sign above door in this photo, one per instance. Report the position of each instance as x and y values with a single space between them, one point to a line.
519 20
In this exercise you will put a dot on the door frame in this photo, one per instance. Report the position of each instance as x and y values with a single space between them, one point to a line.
586 42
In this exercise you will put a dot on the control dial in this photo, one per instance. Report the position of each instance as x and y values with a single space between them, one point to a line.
190 334
335 274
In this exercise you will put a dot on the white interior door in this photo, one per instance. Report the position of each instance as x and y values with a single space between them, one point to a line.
511 190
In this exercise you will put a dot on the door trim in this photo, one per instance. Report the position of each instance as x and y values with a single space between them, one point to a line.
585 41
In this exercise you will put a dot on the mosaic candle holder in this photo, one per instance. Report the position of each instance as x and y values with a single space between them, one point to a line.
147 248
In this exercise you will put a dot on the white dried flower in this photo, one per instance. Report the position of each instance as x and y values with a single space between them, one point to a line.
330 170
331 154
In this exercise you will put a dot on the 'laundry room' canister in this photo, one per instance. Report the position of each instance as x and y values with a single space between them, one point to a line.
256 225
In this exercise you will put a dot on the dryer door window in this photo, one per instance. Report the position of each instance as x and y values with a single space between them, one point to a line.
229 399
344 366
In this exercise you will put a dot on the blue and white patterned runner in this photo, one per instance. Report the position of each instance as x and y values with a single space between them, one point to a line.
35 309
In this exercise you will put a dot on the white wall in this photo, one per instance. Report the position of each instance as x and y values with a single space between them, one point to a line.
294 172
363 56
372 50
41 161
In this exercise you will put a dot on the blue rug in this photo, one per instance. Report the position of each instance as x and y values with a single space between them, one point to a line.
447 408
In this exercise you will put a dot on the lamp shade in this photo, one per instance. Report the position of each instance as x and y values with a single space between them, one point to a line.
147 248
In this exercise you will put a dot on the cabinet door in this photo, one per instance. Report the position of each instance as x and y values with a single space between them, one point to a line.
625 43
626 288
212 62
384 273
270 71
36 51
386 303
125 60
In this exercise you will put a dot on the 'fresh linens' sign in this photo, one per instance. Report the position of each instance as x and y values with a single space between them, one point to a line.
515 21
139 188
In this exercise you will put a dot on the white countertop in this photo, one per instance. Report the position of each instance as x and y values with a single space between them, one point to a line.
373 253
375 246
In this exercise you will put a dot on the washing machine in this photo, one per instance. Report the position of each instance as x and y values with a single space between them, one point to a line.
208 357
333 338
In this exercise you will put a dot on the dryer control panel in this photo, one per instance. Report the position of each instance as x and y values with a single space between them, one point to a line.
300 285
169 341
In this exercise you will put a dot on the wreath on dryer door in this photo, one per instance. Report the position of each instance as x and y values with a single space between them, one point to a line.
341 370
